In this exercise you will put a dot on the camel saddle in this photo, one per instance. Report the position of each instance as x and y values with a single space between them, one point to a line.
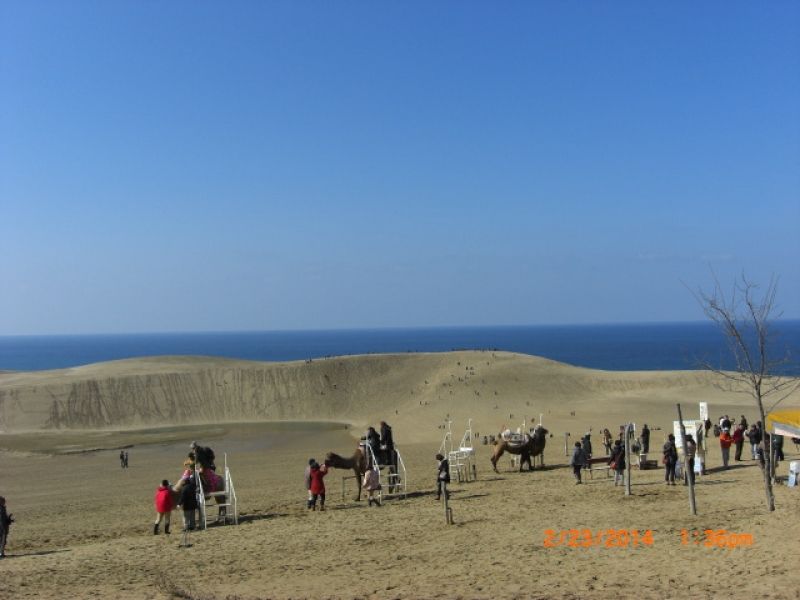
515 440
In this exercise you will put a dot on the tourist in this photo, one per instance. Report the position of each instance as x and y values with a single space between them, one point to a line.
442 477
188 503
578 461
725 441
777 442
387 444
670 460
317 486
725 423
125 462
203 456
689 453
617 462
754 437
371 484
645 439
607 441
374 443
738 440
586 444
743 422
5 525
121 459
164 506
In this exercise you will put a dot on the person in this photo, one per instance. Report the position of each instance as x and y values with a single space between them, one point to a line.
442 477
121 459
188 503
670 460
578 461
738 441
203 455
707 425
725 424
689 453
6 519
645 439
754 437
371 484
607 441
743 422
617 462
777 441
126 459
586 444
317 487
311 463
188 471
164 506
725 441
387 444
374 442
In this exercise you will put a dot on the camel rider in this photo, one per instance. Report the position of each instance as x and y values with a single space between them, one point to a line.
203 455
387 443
374 442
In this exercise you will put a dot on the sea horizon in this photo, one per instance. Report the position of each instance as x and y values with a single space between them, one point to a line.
607 346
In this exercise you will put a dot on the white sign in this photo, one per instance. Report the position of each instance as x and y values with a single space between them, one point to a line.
692 427
703 411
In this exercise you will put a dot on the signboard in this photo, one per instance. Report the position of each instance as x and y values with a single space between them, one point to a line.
692 427
703 411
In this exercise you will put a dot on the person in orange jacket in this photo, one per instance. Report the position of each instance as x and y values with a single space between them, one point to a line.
725 441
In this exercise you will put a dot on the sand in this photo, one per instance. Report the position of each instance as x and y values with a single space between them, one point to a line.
83 523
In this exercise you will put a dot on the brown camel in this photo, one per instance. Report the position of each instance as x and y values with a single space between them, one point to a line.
533 447
357 462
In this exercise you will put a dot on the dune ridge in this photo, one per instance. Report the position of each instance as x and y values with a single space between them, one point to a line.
495 387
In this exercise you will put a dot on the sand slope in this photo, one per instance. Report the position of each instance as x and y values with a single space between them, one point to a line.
495 388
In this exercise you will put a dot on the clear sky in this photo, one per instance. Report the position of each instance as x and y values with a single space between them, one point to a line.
196 166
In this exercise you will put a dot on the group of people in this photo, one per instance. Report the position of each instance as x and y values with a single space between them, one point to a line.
381 445
200 462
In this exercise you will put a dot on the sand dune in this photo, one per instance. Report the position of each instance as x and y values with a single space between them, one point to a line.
494 388
83 523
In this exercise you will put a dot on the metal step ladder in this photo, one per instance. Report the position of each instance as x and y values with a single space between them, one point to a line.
227 510
462 459
394 481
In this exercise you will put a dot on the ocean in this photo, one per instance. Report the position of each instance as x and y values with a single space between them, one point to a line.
629 347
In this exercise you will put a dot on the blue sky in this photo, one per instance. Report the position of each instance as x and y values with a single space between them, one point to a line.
195 166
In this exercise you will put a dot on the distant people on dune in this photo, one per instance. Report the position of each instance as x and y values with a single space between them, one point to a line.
122 459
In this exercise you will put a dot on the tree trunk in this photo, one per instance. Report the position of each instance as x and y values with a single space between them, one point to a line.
765 449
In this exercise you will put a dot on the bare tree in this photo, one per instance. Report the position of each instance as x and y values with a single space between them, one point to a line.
745 317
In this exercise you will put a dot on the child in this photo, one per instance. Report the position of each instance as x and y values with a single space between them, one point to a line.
578 461
371 484
5 525
442 477
164 506
188 502
317 487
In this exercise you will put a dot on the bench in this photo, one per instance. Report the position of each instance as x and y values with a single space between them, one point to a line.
598 463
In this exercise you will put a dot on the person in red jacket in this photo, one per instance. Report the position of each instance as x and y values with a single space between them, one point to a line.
317 487
738 439
164 506
725 441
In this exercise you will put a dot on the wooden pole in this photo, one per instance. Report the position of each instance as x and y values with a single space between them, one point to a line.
689 479
448 512
566 443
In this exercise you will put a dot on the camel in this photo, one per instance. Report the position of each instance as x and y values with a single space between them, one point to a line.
357 462
533 447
